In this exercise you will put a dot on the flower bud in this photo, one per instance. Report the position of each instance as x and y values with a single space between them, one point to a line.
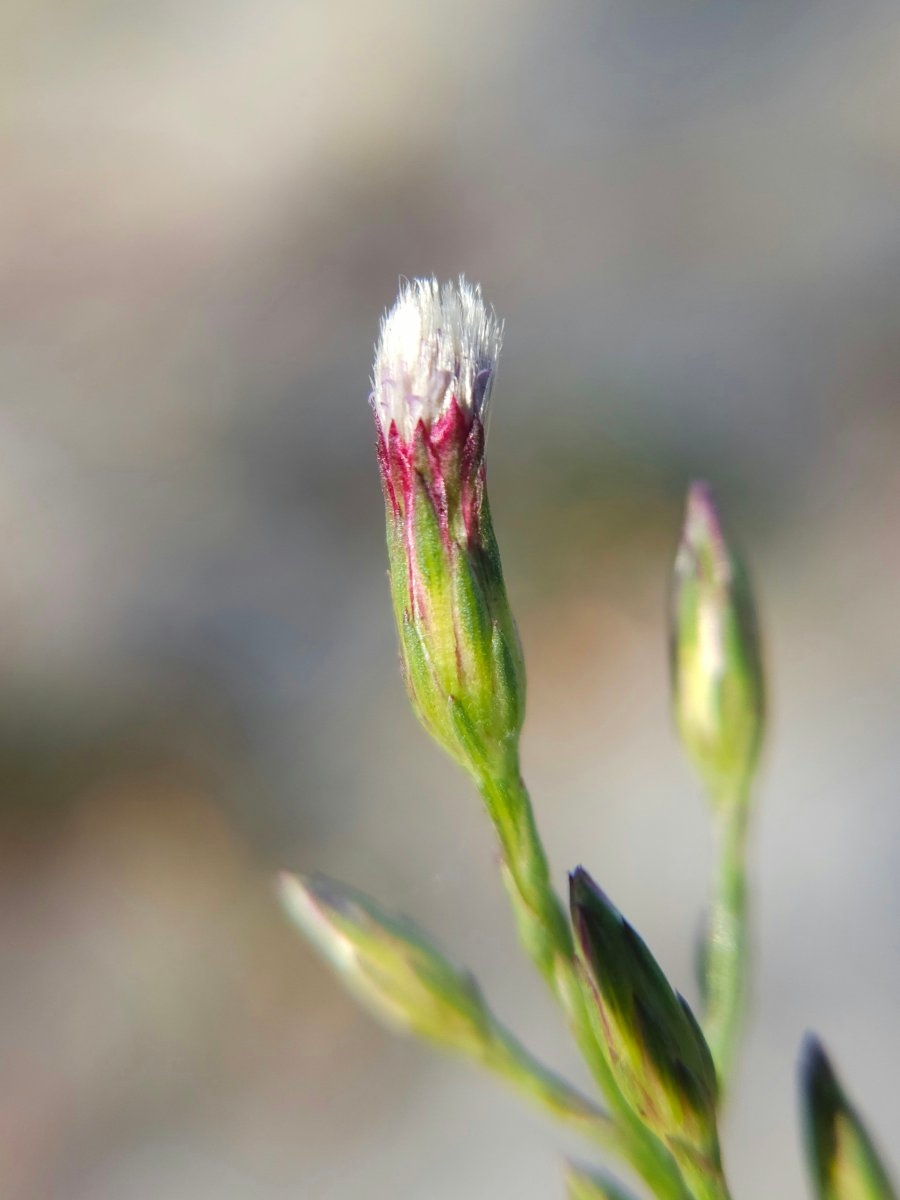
434 369
388 965
716 668
650 1039
843 1161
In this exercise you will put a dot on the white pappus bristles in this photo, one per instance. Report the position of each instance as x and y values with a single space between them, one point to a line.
436 344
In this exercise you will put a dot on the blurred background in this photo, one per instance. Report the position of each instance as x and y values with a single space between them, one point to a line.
688 212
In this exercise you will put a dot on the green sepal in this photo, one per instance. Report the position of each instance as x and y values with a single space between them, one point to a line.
472 630
425 693
433 585
509 678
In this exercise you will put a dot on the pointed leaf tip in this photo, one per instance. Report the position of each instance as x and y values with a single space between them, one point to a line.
652 1044
842 1157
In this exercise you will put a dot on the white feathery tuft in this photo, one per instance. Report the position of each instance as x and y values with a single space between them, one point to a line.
436 343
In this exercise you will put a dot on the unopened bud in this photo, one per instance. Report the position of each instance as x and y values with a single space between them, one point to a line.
842 1158
650 1038
716 667
434 369
388 964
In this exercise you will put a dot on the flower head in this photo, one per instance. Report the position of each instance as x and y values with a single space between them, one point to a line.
434 367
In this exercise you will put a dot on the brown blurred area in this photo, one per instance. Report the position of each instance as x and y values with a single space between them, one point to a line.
687 213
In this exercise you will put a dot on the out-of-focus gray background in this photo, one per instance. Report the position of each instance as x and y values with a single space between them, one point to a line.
688 212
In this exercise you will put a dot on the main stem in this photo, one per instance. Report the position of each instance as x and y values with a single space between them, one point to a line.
546 935
727 946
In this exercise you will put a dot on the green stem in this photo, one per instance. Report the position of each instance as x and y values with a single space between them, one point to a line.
546 935
509 1059
540 918
727 944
